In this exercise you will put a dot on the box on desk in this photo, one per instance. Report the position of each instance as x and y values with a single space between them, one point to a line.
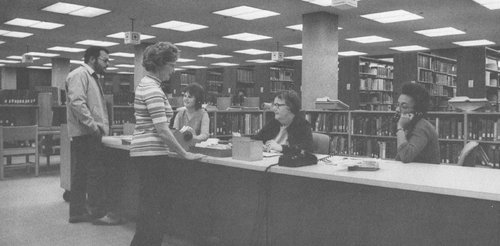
212 151
247 149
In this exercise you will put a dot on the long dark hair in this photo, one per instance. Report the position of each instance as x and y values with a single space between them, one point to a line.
197 91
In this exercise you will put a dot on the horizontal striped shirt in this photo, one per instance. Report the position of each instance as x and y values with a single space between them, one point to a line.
151 107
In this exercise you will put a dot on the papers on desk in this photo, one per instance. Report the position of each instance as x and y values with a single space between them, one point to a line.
270 154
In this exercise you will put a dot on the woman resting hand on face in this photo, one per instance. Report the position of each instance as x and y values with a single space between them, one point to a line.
192 117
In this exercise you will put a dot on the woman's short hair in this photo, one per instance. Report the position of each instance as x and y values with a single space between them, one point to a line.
159 54
419 94
197 91
292 100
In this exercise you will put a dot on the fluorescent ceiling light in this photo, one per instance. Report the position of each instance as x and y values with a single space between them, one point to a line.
215 56
261 61
474 42
185 60
392 16
20 58
351 53
75 9
122 54
179 69
299 27
369 39
111 68
121 35
76 61
195 44
125 72
48 64
15 34
225 64
194 67
43 54
179 26
298 58
246 13
409 48
323 3
66 49
38 67
2 42
97 43
1 65
247 36
490 4
125 65
9 61
437 32
253 52
295 46
33 23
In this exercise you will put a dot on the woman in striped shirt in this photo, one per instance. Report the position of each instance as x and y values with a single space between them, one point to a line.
153 141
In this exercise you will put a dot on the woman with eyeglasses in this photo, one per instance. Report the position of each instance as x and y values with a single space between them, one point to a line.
287 132
417 139
192 118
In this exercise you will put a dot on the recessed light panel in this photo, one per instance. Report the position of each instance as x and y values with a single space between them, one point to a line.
225 64
253 52
48 64
215 56
112 68
323 3
194 67
179 69
298 58
409 48
33 23
195 44
474 42
179 26
246 36
246 13
2 42
351 53
97 43
185 60
75 9
490 4
261 61
392 16
295 46
76 61
43 54
125 72
15 34
121 35
369 39
20 58
38 67
437 32
125 65
122 54
300 26
9 61
66 49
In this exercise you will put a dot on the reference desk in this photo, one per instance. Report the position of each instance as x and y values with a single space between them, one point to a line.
324 204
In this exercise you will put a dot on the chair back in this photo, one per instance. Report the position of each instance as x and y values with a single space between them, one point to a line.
18 133
321 143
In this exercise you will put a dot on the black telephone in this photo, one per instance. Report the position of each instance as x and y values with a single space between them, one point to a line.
413 116
297 159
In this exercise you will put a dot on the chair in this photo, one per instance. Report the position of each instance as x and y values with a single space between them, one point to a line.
321 143
18 141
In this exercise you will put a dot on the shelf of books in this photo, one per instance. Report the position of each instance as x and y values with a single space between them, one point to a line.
436 73
225 122
369 133
479 73
186 78
281 78
215 82
245 80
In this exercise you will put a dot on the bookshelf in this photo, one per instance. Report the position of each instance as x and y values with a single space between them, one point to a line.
215 83
225 122
479 73
437 74
333 123
366 83
245 81
281 78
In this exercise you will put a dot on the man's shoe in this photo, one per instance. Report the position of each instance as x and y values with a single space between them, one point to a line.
80 218
109 219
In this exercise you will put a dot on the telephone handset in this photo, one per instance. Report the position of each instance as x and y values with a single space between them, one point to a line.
413 116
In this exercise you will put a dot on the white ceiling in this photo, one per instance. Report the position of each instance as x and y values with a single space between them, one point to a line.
477 21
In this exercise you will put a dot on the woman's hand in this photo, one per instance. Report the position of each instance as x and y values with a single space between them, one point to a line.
193 156
404 120
272 145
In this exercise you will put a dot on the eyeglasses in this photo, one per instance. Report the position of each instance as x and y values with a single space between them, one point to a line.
104 60
278 105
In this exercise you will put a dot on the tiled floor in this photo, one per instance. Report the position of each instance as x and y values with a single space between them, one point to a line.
33 212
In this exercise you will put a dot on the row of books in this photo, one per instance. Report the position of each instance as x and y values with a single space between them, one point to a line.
123 98
485 129
281 73
277 86
215 86
376 107
381 70
439 90
123 116
375 97
436 78
187 78
375 84
375 125
339 145
491 79
328 122
18 97
377 148
247 124
436 64
450 151
244 76
493 153
215 76
6 122
19 144
449 127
